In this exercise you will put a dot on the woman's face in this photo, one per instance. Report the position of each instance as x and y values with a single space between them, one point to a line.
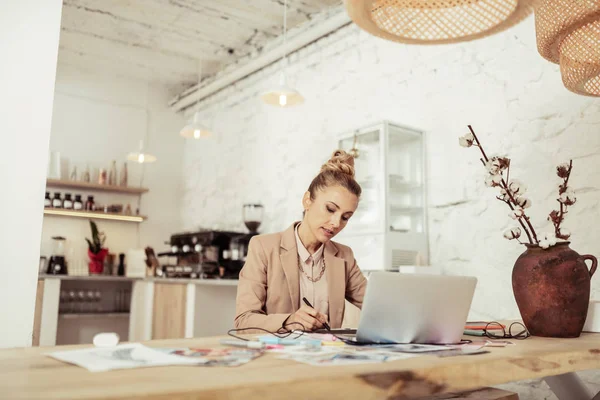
329 212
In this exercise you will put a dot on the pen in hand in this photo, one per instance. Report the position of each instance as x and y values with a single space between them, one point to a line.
325 324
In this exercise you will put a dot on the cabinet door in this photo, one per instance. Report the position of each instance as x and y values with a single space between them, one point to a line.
405 181
368 163
168 317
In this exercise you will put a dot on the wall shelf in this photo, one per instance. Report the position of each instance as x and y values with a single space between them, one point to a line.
94 215
94 186
94 315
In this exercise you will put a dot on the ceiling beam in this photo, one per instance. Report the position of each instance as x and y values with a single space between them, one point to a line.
297 39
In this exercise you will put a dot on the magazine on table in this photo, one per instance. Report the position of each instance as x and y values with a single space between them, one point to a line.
136 355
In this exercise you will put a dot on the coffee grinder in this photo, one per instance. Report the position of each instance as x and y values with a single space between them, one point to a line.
253 215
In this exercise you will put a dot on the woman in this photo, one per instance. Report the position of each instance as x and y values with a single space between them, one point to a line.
302 262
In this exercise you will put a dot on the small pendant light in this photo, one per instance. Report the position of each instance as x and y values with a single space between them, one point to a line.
283 95
196 129
140 156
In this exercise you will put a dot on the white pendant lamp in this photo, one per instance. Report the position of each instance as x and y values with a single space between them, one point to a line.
283 95
195 129
140 156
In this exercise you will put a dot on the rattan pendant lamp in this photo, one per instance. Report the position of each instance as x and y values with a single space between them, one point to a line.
436 21
283 95
568 34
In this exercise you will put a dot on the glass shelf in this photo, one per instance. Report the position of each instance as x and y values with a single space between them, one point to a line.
397 182
406 210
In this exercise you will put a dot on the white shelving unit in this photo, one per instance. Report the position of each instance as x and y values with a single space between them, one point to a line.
389 228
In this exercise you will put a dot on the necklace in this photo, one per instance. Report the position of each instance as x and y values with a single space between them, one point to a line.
310 278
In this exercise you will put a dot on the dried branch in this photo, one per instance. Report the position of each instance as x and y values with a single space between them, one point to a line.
557 217
529 232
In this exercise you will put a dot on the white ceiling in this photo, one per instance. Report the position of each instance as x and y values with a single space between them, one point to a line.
164 40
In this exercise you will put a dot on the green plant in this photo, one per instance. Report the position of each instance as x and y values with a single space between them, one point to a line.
98 238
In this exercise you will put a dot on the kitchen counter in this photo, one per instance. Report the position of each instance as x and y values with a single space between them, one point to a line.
89 277
208 282
160 308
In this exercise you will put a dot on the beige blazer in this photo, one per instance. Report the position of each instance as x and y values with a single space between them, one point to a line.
269 286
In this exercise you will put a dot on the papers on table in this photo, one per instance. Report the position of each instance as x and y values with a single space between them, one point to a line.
349 355
136 355
123 356
333 355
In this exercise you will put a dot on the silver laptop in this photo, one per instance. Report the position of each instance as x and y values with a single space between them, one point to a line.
414 308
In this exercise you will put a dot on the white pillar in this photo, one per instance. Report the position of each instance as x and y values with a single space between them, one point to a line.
29 34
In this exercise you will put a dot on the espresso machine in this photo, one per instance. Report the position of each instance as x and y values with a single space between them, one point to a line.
202 254
210 254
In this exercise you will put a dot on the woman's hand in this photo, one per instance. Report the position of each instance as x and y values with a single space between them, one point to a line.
308 317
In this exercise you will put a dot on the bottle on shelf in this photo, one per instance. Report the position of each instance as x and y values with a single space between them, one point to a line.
121 269
73 175
102 176
68 202
57 200
89 204
123 180
47 200
85 177
77 204
112 175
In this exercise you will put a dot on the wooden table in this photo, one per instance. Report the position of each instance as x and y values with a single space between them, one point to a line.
28 374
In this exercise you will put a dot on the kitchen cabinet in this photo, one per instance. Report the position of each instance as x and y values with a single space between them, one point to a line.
389 228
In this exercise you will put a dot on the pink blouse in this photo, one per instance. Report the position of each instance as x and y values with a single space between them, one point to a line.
315 292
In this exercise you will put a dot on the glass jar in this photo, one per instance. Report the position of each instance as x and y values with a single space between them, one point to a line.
68 202
47 200
77 204
57 200
89 204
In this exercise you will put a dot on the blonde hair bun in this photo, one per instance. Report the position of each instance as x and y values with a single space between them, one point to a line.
340 161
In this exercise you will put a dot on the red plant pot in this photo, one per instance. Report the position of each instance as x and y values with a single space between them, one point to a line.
96 264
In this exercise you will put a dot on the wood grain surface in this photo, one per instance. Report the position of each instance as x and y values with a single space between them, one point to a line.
29 374
168 318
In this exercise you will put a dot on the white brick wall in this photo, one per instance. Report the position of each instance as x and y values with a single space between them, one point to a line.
514 99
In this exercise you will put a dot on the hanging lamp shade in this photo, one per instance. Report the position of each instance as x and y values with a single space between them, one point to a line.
282 95
568 34
195 130
436 21
140 156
